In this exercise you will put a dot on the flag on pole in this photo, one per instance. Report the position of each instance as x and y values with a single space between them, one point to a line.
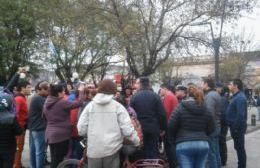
52 48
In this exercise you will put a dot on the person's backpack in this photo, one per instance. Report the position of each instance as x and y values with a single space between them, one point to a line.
7 101
136 123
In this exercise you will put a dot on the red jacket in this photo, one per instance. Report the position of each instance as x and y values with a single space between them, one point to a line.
170 102
74 122
21 110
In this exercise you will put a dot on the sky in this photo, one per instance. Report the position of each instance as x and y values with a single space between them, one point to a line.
250 24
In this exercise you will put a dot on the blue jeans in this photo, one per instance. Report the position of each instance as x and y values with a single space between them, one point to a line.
192 154
37 148
214 160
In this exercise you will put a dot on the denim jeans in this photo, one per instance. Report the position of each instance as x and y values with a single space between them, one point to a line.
239 145
192 154
214 160
37 148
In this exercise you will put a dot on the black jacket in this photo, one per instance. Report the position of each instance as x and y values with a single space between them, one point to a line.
36 121
9 128
150 111
190 122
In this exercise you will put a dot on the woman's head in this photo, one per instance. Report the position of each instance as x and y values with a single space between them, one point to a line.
197 94
107 86
57 90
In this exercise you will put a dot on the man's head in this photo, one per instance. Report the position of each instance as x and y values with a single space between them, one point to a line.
24 88
208 83
142 83
181 91
42 88
235 85
219 87
163 90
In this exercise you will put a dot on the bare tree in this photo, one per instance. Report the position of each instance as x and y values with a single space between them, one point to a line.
81 43
148 29
239 51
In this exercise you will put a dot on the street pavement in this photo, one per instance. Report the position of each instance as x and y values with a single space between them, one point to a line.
252 142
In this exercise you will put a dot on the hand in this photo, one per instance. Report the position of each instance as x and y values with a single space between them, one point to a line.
23 69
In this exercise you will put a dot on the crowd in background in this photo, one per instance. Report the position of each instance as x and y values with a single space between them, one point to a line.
191 121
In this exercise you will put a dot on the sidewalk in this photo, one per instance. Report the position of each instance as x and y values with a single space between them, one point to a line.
252 143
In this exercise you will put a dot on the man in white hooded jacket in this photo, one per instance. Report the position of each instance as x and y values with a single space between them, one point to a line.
105 123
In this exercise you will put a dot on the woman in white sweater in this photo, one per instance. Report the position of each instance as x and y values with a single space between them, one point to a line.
105 123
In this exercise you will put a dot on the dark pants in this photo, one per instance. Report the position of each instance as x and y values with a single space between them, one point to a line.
239 145
76 149
170 150
223 143
7 159
58 152
150 148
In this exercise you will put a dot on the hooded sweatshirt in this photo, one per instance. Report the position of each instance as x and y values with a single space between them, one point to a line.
190 122
105 123
57 113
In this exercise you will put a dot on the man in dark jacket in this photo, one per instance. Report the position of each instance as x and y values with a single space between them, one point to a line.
151 114
9 128
237 119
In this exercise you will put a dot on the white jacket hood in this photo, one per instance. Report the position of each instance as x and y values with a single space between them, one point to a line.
102 98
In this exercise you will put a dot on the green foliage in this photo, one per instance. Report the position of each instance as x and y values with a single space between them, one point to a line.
79 37
17 32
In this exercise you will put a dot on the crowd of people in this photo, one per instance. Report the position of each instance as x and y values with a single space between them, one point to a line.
191 121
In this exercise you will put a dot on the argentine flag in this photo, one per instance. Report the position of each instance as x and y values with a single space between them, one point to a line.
52 48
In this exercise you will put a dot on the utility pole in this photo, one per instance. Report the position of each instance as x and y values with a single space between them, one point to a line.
216 41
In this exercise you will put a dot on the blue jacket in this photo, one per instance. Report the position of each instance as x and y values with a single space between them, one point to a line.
236 114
